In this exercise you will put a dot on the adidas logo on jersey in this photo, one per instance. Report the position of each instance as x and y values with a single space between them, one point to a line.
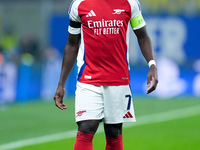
91 14
128 115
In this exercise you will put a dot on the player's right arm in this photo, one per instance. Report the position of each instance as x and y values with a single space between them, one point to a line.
69 58
70 52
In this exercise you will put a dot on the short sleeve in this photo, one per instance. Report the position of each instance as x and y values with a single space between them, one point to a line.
137 20
75 21
135 8
73 11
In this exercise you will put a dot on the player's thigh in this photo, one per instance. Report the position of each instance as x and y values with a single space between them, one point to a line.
118 104
88 102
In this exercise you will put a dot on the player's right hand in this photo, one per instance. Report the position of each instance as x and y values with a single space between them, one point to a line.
58 98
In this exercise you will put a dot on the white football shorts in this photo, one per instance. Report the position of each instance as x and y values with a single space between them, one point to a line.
113 104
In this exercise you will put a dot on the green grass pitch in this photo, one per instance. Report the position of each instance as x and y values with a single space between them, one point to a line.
35 119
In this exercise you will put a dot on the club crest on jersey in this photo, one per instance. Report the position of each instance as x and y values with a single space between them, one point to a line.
118 11
91 14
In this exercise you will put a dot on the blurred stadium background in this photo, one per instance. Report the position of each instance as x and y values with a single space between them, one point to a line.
32 38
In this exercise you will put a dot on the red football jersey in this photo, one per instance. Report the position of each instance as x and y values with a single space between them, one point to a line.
103 52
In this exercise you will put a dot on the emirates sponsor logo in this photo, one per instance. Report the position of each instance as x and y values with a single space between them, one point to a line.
105 23
105 26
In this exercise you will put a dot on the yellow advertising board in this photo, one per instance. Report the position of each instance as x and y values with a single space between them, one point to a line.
171 6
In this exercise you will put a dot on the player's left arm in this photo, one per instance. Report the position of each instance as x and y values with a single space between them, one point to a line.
148 53
139 26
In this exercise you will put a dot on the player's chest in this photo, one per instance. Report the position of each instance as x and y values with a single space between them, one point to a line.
104 13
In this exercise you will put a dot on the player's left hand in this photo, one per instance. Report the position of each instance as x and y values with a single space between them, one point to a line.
152 79
58 98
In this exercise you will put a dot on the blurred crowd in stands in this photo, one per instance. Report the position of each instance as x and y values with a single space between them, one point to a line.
16 50
24 66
